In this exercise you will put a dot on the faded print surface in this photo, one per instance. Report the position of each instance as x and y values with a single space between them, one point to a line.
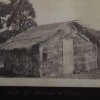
64 44
65 10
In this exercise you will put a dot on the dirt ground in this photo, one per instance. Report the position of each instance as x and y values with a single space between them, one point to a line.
82 76
93 74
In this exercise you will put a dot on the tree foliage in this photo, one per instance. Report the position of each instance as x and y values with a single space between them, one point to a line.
20 13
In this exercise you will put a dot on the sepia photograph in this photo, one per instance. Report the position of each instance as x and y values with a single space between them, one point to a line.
50 43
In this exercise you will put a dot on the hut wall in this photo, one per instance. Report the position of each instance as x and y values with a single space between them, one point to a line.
21 63
51 57
1 59
85 55
98 57
51 54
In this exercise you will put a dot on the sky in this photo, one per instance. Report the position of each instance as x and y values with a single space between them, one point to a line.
53 11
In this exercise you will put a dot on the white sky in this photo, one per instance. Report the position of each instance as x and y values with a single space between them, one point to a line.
52 11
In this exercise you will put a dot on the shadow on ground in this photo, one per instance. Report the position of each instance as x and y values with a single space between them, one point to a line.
5 73
93 74
9 74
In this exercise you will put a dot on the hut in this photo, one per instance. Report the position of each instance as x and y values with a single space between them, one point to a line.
52 50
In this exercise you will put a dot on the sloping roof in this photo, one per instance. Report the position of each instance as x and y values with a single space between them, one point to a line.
95 33
92 34
33 36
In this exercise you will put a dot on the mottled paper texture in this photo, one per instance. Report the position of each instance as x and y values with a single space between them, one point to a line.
62 49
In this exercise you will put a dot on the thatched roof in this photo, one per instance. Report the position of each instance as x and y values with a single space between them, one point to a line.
95 33
33 36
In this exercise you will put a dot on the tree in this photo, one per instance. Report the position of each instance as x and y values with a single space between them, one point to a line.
18 15
21 15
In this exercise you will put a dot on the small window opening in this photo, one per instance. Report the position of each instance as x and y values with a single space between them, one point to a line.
45 55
